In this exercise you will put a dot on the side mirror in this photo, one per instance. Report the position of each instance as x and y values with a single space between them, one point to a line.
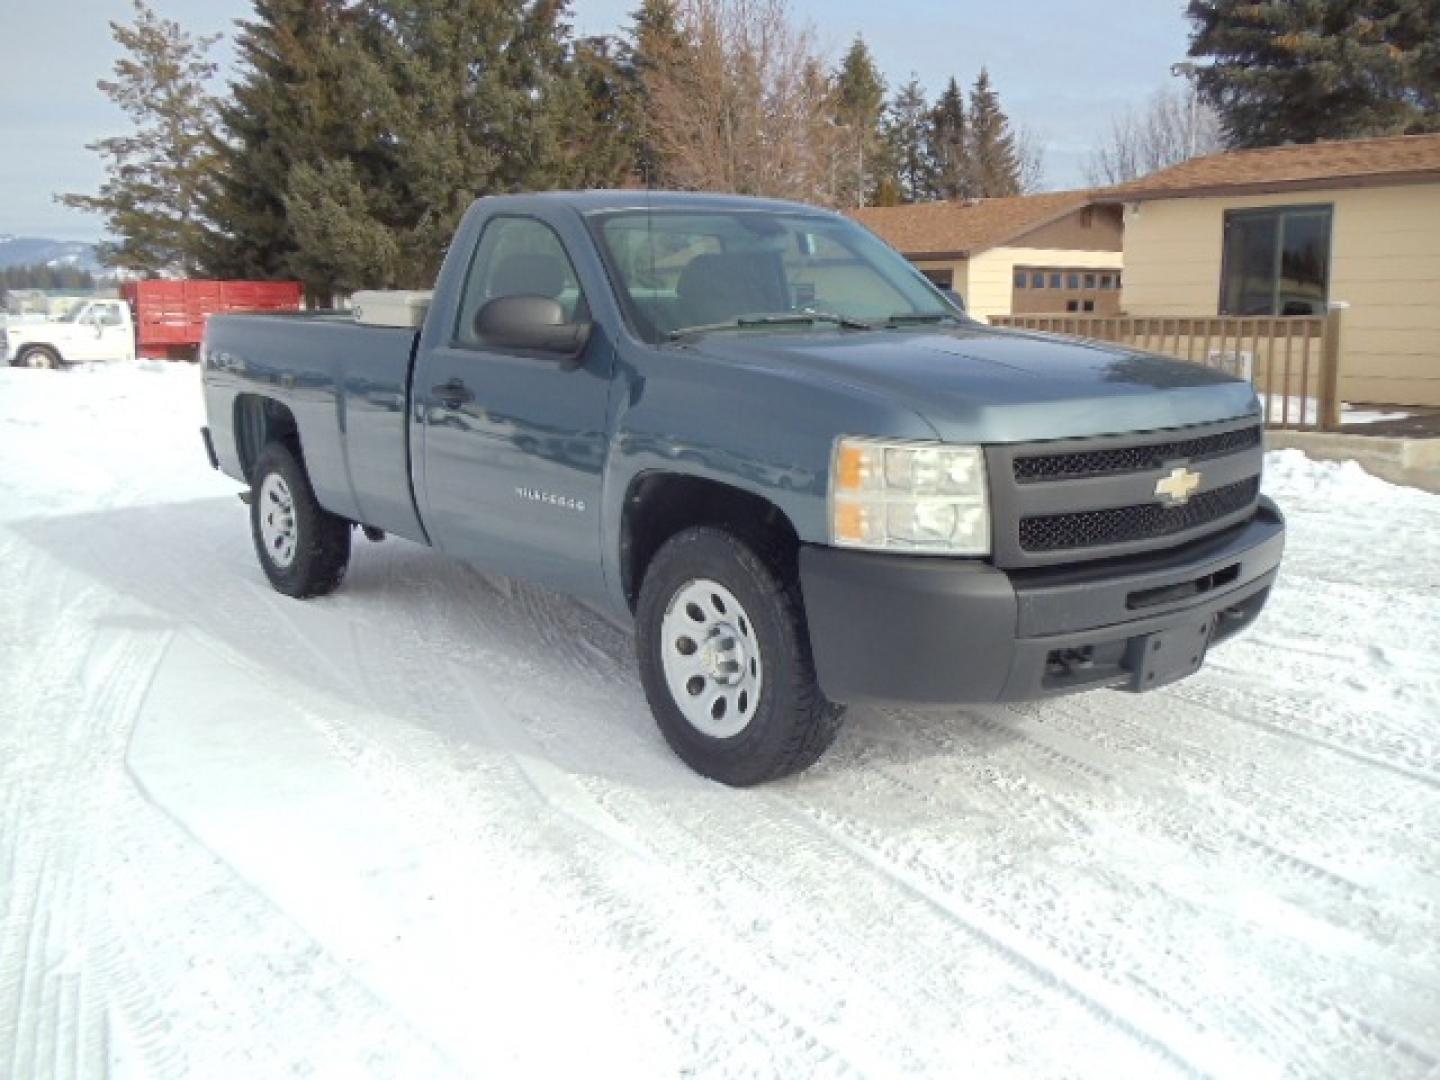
531 322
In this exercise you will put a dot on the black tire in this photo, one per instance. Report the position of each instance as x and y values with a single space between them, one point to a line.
39 356
793 723
321 547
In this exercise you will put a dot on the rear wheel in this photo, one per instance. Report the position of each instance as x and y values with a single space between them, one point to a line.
303 548
725 661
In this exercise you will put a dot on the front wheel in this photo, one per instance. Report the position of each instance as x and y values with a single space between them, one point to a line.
725 661
303 548
39 356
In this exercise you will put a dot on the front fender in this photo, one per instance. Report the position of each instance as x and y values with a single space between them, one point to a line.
767 432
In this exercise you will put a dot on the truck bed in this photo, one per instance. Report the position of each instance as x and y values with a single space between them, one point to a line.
347 386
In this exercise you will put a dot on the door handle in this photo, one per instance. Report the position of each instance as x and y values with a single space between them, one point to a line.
452 394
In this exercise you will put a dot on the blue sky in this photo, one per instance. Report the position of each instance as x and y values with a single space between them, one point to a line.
1063 67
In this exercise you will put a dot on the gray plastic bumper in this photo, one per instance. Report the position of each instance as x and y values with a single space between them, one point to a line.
906 629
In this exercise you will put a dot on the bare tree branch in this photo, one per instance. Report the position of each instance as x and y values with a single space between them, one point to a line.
744 105
1169 129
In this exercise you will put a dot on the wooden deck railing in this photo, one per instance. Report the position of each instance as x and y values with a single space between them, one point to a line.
1294 362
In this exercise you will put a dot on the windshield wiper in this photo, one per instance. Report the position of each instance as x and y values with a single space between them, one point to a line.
901 318
785 318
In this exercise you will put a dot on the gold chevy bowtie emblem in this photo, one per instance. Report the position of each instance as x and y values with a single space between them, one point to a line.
1176 489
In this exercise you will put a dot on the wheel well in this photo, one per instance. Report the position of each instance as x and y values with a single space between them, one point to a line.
260 421
659 505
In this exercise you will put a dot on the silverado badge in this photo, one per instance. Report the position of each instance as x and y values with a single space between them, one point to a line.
1176 488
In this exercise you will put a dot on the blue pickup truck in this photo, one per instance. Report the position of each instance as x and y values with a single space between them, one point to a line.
757 432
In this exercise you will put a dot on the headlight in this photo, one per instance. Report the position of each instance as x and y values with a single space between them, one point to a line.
920 497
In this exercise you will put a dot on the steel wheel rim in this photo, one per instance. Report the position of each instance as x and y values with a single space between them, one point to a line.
39 359
277 520
711 657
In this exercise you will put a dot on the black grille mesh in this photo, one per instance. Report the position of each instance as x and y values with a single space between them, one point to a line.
1128 459
1123 524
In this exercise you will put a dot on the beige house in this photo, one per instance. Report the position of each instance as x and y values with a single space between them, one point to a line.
1056 252
1289 230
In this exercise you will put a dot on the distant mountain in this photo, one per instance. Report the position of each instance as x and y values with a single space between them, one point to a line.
36 251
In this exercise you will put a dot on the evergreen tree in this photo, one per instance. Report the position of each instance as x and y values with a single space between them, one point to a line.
360 133
993 158
156 176
1324 69
654 42
948 149
909 135
597 105
286 110
858 93
45 276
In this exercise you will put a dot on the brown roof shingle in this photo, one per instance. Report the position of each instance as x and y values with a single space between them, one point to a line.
1396 159
967 227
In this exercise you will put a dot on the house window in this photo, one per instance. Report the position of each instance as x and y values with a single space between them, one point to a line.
1021 279
942 277
1072 281
1037 280
1106 281
1089 281
1276 261
1054 281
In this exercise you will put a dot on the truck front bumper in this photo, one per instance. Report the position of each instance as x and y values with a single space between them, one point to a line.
905 629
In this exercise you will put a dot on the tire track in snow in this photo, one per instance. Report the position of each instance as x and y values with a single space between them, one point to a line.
1210 702
1158 1031
132 990
1215 832
58 1028
400 779
1401 1050
568 800
657 824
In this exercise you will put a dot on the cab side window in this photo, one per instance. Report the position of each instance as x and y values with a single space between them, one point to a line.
108 315
518 256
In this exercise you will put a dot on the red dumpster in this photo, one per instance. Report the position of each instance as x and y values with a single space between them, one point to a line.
170 315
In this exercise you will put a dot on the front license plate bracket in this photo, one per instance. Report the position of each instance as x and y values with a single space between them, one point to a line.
1166 656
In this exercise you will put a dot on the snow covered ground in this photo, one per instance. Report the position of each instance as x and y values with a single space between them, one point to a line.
426 827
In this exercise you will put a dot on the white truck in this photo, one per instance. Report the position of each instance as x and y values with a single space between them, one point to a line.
97 330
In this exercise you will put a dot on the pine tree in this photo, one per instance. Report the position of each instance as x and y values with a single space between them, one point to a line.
286 110
360 133
1324 69
596 105
653 43
994 161
948 146
858 93
152 197
909 135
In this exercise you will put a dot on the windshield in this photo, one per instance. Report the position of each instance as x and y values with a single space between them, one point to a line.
701 271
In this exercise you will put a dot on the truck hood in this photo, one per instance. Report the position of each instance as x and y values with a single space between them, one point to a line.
979 384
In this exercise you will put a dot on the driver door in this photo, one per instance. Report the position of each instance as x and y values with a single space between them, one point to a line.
113 339
513 442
